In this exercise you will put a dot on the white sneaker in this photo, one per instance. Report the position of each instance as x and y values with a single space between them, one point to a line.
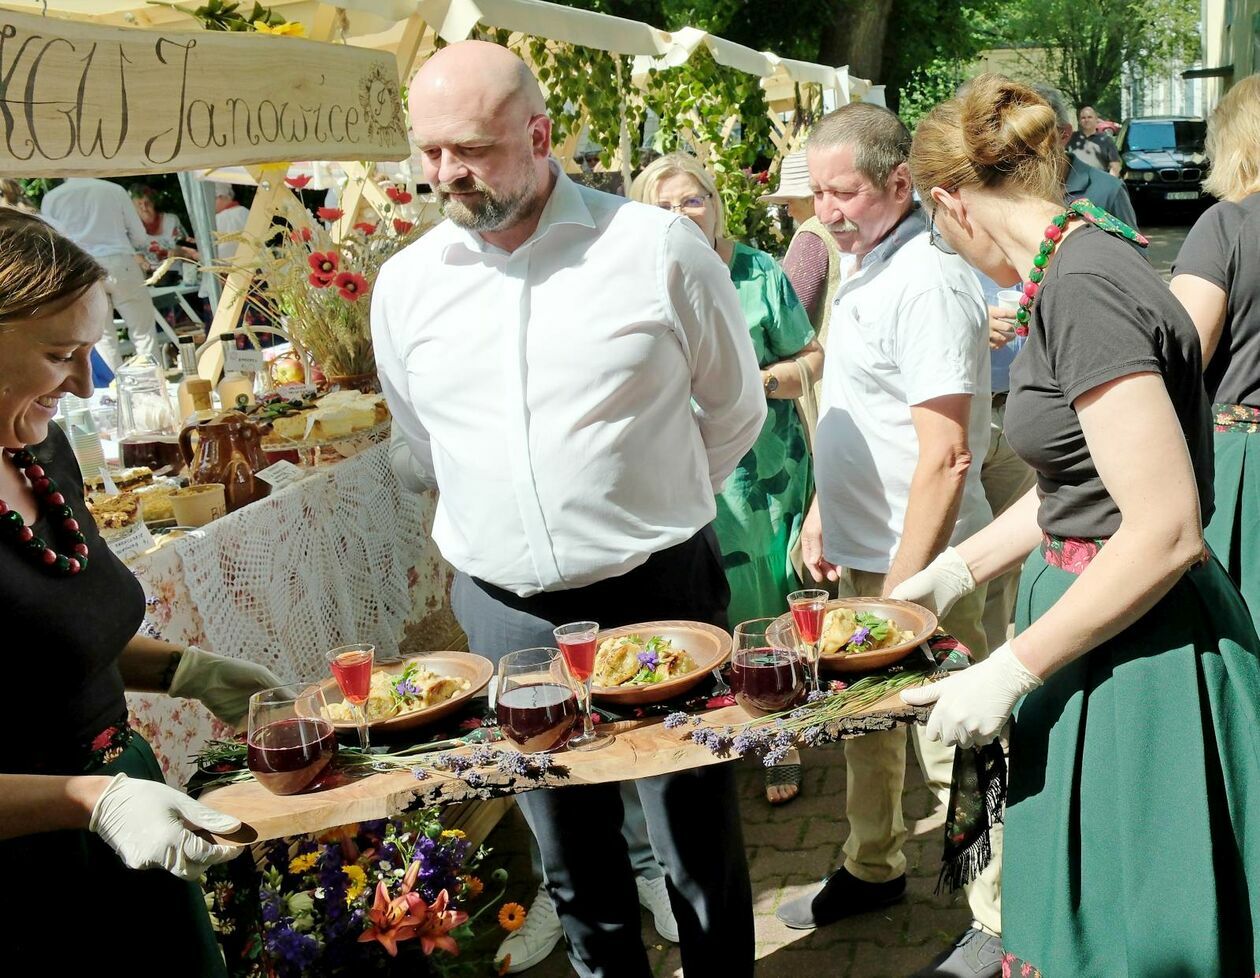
537 937
655 898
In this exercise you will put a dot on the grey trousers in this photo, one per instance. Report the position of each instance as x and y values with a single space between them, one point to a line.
692 819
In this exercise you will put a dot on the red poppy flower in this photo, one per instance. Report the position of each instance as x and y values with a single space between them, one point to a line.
297 183
398 195
365 227
300 235
329 214
324 267
401 226
351 285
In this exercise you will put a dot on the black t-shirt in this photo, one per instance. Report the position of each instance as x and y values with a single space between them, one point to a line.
1223 248
1102 313
63 635
1098 150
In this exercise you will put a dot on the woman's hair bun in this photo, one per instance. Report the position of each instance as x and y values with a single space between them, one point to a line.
1005 123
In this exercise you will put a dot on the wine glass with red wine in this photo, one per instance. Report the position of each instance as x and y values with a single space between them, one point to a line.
577 644
351 666
809 608
767 674
535 703
289 741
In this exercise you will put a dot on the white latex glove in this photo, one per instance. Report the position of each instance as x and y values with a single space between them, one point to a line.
151 825
939 585
223 684
973 705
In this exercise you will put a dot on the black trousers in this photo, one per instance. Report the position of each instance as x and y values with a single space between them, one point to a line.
692 816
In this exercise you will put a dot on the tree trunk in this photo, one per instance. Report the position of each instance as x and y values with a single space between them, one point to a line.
856 37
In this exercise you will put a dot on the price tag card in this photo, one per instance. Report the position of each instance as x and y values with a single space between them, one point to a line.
131 542
281 474
108 482
247 361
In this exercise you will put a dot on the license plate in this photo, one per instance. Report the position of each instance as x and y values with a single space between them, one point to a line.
1182 195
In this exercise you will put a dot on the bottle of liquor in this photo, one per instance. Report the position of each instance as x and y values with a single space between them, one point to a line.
234 383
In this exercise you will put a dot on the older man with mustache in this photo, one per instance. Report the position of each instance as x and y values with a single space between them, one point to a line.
903 412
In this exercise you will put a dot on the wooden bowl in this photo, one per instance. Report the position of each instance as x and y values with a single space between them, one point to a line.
906 615
707 644
466 665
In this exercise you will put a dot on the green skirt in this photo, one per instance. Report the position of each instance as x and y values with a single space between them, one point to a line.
1133 820
1234 533
70 900
759 515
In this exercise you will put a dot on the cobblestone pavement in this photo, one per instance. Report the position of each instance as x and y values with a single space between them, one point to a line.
789 848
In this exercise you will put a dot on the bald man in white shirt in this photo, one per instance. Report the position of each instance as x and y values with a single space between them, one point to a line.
99 217
573 371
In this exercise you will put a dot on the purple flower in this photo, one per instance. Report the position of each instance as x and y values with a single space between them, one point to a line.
485 755
648 659
774 756
813 736
475 779
860 637
513 762
816 695
420 774
405 687
456 763
675 720
747 741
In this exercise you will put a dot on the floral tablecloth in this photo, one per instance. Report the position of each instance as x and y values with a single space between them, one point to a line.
342 556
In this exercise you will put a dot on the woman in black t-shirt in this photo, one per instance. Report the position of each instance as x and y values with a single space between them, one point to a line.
85 817
1217 279
1132 834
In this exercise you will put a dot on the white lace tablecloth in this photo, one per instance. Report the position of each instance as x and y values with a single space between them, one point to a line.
328 561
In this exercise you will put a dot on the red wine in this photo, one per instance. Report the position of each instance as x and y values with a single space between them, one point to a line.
767 680
155 451
580 656
353 672
808 616
288 755
537 717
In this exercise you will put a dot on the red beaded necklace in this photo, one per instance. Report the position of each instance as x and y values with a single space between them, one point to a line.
56 509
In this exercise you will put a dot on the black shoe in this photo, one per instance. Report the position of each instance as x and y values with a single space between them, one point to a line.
840 895
974 955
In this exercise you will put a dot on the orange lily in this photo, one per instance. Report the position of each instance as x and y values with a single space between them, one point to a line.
438 923
397 919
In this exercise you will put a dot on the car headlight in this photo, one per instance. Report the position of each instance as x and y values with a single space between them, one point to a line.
1148 176
1132 176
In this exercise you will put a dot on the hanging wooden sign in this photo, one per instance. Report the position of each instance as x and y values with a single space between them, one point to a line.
78 99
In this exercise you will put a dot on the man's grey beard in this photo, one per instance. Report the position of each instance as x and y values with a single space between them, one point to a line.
492 213
844 227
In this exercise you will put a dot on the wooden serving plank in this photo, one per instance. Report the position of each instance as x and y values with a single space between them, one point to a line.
643 749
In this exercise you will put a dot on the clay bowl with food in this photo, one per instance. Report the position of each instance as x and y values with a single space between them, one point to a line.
458 665
904 615
707 645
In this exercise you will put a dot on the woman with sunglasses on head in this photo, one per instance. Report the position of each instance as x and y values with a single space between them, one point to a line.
762 506
1134 675
86 819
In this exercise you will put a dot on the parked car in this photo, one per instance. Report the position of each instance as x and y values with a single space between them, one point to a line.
1162 159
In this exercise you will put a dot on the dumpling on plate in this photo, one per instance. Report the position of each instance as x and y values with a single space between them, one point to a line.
617 660
839 626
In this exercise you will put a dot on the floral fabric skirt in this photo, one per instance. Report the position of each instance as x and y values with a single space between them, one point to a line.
1133 818
69 900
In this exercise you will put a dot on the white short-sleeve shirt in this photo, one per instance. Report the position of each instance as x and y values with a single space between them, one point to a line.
908 326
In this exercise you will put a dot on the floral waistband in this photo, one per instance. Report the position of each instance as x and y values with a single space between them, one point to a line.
1071 554
1236 417
86 756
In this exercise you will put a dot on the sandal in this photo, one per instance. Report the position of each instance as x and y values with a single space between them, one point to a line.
783 775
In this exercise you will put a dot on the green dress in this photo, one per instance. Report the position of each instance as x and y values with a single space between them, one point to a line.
762 506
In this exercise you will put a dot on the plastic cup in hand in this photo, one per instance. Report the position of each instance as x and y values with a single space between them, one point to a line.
1009 298
289 740
809 608
536 704
767 675
352 668
577 644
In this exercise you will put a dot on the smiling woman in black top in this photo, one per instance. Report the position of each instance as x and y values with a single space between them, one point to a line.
1217 278
1132 842
85 817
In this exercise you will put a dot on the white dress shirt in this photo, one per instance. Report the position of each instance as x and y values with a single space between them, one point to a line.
907 326
96 215
577 401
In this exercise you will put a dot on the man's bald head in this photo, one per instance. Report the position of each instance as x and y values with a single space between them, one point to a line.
482 77
480 122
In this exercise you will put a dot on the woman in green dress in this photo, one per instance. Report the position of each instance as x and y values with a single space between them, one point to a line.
1132 842
762 505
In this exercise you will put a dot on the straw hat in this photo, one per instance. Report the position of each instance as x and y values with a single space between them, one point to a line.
793 180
